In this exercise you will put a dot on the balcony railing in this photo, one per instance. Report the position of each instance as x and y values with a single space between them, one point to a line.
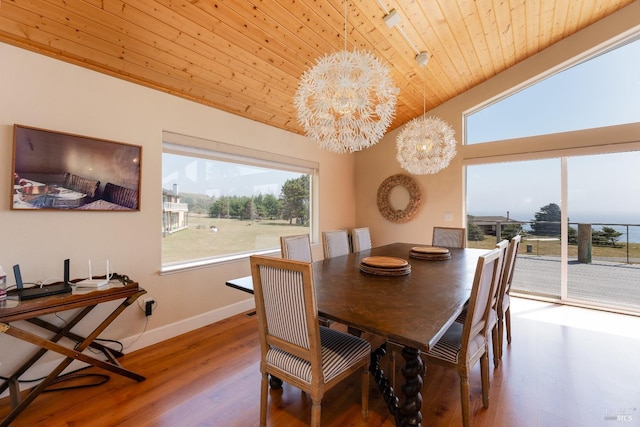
623 248
610 279
175 207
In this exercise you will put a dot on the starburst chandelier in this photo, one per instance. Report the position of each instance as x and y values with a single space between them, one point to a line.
426 144
346 101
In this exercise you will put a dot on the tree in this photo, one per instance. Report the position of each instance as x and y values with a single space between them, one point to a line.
216 209
474 233
248 209
547 221
510 231
294 197
606 237
572 236
270 206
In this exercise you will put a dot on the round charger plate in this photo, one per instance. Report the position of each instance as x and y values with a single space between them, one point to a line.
402 271
430 250
430 257
384 262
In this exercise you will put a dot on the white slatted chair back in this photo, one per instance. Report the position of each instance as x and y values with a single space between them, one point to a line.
335 243
361 238
297 247
449 237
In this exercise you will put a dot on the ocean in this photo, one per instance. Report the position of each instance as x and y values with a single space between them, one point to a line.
632 220
599 220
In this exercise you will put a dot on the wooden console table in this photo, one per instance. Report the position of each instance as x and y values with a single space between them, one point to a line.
31 310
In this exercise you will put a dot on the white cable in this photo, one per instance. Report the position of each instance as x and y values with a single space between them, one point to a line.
415 49
382 6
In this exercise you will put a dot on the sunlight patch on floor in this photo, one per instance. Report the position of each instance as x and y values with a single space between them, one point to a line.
576 317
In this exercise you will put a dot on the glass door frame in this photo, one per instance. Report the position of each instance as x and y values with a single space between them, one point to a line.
563 155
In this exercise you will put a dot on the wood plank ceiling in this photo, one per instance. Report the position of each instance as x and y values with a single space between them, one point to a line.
246 56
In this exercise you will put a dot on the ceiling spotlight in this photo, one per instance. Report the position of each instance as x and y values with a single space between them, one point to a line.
392 18
422 58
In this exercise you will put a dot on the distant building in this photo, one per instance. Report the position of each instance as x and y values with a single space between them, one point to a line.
174 214
489 224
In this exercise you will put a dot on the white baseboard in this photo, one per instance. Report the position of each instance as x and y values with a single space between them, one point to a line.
157 335
149 337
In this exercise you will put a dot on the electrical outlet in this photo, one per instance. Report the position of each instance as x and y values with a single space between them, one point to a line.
148 306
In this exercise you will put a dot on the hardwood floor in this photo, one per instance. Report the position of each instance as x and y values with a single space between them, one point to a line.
566 367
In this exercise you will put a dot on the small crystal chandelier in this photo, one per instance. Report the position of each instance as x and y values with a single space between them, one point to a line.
346 101
426 144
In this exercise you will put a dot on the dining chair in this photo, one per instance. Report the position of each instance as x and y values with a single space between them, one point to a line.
492 326
504 300
297 247
449 237
335 243
502 246
361 239
463 345
293 346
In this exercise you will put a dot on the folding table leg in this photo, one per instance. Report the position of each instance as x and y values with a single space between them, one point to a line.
38 354
18 404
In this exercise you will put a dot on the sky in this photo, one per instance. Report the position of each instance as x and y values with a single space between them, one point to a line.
217 179
603 91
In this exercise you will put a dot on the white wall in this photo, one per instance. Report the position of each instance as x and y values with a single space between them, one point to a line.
38 91
443 194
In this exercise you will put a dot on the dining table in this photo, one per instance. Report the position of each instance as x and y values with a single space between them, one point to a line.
412 309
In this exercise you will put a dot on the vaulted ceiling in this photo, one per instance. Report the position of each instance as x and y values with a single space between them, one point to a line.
246 56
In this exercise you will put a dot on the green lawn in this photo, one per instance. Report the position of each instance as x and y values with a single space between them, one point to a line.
236 236
233 236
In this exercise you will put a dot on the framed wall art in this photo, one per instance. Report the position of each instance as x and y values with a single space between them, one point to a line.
55 170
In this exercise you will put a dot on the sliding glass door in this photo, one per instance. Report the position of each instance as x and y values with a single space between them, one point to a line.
519 197
603 207
580 221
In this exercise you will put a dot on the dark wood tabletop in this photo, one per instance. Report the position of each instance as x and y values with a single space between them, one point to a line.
413 310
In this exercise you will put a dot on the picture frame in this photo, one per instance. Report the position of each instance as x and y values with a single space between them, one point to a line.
61 171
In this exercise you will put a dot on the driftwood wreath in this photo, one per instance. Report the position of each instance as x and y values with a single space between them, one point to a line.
399 215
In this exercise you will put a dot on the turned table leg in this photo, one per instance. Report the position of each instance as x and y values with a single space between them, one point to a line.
275 383
409 411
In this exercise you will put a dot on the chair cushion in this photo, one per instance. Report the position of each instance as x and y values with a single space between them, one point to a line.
339 350
449 346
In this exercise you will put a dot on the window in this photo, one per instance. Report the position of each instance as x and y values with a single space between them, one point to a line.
602 91
223 202
576 208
